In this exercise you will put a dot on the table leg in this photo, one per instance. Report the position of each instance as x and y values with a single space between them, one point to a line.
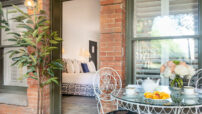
138 108
149 112
117 104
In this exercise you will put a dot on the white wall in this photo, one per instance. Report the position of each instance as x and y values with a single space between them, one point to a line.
80 24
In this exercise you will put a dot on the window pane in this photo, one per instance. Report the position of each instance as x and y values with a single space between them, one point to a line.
165 18
150 55
12 24
13 75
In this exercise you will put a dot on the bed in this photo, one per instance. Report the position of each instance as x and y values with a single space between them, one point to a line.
78 83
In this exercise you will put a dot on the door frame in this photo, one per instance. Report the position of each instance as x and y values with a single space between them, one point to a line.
56 25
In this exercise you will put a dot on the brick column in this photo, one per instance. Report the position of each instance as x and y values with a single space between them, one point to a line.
112 39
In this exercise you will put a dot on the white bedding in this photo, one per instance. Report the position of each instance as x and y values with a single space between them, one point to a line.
80 78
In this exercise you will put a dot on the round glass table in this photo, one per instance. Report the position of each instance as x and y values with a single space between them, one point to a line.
191 104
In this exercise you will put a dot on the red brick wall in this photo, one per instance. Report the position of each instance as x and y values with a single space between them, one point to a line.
32 91
112 38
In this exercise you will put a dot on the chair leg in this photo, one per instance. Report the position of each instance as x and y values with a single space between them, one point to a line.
100 107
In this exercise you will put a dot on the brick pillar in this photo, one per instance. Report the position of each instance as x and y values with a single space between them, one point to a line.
112 37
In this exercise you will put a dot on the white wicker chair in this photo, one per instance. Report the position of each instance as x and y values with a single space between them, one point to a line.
195 78
107 81
198 84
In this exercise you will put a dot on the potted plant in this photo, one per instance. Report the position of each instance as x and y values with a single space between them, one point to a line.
37 43
177 71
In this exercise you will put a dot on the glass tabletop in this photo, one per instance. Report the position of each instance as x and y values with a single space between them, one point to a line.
177 98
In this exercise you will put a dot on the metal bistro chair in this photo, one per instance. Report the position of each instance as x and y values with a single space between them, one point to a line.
195 79
106 82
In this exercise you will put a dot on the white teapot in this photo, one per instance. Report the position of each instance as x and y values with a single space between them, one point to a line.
150 85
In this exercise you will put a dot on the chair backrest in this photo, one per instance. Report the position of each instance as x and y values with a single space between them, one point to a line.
195 78
106 82
199 83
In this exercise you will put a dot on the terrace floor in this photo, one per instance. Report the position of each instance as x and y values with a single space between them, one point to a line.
79 105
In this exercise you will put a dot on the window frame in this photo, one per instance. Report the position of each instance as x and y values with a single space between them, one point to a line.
130 39
6 88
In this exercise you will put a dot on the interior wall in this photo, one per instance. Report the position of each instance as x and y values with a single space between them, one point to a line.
81 20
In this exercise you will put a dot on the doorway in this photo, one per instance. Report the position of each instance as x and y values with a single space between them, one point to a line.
80 32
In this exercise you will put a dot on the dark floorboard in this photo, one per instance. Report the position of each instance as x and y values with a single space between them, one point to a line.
79 105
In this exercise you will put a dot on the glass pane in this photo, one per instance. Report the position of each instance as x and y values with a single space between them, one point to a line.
165 18
13 75
12 24
150 55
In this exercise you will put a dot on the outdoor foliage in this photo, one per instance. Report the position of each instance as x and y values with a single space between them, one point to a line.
37 43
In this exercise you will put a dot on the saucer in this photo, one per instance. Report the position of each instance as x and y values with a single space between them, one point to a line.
129 94
194 95
189 94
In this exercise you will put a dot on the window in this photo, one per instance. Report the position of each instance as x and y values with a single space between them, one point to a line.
162 30
10 75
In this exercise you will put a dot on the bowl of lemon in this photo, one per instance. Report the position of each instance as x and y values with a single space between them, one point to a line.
156 97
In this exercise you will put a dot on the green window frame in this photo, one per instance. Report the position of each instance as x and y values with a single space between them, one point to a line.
5 88
130 39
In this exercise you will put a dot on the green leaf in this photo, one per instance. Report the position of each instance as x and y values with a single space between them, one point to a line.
53 42
33 77
1 11
33 58
51 48
58 38
42 21
42 12
14 52
50 80
29 21
14 33
22 12
29 41
25 26
55 81
45 54
39 38
19 18
35 33
13 40
50 72
7 29
12 11
2 27
45 28
176 62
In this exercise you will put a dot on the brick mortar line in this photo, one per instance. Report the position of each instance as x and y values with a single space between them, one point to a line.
111 32
111 4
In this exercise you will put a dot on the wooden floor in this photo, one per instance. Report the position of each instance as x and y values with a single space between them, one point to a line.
79 105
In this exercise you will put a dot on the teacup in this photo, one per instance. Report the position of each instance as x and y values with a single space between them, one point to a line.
188 90
130 90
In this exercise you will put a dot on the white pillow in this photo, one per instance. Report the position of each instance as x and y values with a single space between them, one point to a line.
76 66
70 66
89 66
81 69
93 66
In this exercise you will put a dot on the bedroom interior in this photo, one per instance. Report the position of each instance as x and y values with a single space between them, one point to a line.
80 53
